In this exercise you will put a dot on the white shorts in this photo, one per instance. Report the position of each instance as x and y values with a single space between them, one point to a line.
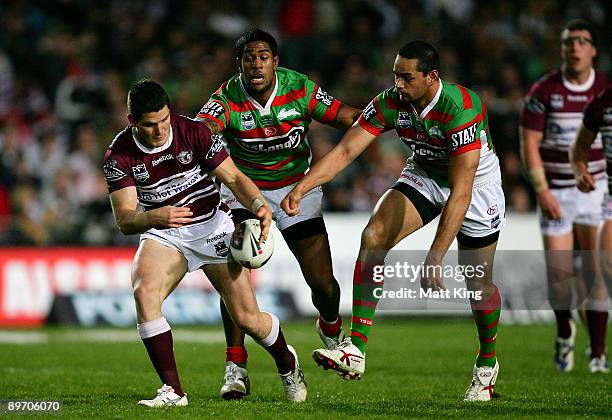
577 208
201 244
607 207
486 213
310 206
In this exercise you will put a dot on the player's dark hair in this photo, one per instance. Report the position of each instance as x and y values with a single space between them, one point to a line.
427 56
146 96
580 25
253 36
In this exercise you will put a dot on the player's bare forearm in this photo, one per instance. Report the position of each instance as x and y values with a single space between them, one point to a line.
346 116
131 220
530 147
579 150
353 143
461 172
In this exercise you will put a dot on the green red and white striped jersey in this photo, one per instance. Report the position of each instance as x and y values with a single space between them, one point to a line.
268 143
453 123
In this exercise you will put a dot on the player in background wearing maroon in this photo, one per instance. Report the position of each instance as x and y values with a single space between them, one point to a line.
264 113
550 118
597 119
158 171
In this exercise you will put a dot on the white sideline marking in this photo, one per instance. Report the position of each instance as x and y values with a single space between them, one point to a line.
103 336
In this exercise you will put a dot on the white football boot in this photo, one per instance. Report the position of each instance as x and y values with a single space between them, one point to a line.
236 383
294 382
483 383
165 398
564 350
330 342
599 364
346 359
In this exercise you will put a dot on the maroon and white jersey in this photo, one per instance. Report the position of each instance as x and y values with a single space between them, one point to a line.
173 174
554 107
598 119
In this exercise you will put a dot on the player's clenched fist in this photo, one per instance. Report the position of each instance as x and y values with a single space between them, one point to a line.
170 217
291 203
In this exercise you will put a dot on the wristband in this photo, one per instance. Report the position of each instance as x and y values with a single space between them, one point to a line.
256 205
538 179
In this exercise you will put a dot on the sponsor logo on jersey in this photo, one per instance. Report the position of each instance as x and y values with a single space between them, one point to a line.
554 128
221 249
140 172
404 120
247 122
111 172
535 106
324 97
272 144
423 151
464 137
212 108
216 237
369 111
577 98
556 101
186 156
411 178
607 115
284 113
161 159
269 131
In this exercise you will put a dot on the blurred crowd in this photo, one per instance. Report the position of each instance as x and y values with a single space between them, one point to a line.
65 67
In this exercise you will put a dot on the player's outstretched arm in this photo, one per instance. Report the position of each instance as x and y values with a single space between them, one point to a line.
579 158
532 161
353 143
246 192
461 172
132 221
346 116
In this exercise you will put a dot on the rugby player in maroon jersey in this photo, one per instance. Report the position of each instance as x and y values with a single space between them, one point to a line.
158 171
597 119
550 118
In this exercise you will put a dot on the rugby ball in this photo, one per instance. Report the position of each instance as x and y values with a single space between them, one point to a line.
245 247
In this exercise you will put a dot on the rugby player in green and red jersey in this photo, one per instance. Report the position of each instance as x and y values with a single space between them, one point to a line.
454 172
264 113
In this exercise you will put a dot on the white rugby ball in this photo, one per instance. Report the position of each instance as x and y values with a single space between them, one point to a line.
245 247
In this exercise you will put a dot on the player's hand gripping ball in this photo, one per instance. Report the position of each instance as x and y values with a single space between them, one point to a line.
245 247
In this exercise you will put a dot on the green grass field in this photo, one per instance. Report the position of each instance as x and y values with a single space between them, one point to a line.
415 368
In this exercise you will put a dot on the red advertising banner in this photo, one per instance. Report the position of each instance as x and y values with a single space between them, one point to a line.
31 277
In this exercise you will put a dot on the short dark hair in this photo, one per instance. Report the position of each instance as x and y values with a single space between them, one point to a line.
425 53
146 96
253 36
580 25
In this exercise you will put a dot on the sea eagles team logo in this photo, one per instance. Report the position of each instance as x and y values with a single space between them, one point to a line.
111 172
404 120
221 249
607 115
185 157
556 101
140 172
246 121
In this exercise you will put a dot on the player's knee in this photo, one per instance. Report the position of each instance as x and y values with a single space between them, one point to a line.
327 289
247 322
373 237
145 295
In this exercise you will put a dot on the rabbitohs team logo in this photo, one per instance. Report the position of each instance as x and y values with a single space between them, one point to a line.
185 157
246 121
